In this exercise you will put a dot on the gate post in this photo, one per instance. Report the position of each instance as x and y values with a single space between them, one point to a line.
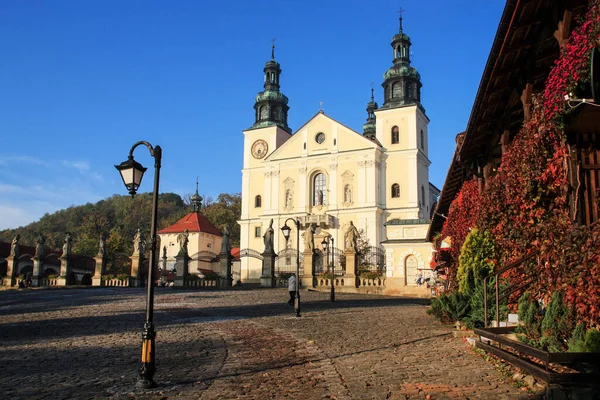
351 267
99 270
267 278
181 264
12 267
225 268
308 265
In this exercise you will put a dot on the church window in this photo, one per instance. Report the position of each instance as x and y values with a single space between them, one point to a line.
319 188
320 138
257 231
398 52
264 112
272 77
258 201
395 135
422 140
395 190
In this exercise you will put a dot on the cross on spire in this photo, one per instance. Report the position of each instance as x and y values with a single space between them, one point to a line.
196 184
321 106
372 89
273 49
400 12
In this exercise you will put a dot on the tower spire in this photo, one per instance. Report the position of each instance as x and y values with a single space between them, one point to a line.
369 127
196 200
273 49
402 82
270 105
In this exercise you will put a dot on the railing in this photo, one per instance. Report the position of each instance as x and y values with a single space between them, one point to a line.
116 282
504 293
48 282
200 283
337 281
366 282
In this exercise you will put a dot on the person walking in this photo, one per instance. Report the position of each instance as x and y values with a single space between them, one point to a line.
292 289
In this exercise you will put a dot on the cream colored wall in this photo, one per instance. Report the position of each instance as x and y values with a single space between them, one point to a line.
345 157
197 242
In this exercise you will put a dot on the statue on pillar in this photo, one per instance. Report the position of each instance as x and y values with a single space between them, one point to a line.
102 246
309 238
183 240
39 247
351 237
66 250
268 238
138 243
225 242
14 246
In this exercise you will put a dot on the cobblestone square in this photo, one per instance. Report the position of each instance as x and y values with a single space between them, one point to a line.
237 344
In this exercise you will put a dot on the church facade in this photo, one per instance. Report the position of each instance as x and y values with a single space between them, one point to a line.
327 175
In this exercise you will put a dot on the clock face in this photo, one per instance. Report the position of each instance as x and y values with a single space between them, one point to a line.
320 138
259 149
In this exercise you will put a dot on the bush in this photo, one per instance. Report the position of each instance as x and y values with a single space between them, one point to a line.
592 341
123 277
529 316
452 307
577 341
557 325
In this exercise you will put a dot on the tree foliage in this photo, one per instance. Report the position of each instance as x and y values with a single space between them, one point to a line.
117 218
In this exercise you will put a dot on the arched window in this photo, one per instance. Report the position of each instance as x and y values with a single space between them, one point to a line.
264 112
395 190
395 135
257 201
422 140
319 189
397 90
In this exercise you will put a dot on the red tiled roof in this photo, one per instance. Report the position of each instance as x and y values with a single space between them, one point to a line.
193 222
235 253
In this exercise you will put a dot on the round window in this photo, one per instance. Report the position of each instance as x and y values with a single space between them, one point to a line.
320 138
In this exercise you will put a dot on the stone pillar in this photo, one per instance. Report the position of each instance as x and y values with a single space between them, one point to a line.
12 269
351 268
65 271
308 277
38 264
181 265
136 263
99 270
267 278
225 268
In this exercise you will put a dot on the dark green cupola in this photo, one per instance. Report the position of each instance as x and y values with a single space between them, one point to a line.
270 105
369 127
402 83
196 200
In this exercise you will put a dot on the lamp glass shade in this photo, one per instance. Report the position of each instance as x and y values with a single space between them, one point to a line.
286 232
132 173
324 244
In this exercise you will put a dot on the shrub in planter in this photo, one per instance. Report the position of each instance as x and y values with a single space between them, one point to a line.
123 277
557 325
531 320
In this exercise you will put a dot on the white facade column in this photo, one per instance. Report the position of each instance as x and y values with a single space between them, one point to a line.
275 193
333 186
362 185
371 183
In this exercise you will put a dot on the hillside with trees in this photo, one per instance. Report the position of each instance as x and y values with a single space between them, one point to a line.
118 217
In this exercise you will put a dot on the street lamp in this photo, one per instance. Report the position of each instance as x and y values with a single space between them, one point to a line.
132 173
286 233
325 244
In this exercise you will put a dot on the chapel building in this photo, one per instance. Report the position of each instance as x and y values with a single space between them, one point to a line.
327 175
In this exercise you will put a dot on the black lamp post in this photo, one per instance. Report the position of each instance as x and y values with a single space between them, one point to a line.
286 233
325 244
132 173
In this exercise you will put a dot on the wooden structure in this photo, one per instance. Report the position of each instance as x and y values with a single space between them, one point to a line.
525 48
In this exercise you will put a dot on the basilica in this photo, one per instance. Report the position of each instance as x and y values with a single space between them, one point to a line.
329 177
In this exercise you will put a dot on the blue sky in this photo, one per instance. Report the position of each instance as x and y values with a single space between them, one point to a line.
81 81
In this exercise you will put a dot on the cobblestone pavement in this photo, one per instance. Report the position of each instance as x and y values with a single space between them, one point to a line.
239 344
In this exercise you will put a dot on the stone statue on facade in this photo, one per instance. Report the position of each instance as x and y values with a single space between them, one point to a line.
183 240
268 238
288 198
102 246
225 242
14 246
66 250
138 243
309 238
39 246
351 237
347 194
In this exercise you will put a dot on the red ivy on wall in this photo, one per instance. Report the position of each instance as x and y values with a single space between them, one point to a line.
524 205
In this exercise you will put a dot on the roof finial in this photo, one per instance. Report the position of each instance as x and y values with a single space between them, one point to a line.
196 185
273 49
401 11
372 97
321 106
